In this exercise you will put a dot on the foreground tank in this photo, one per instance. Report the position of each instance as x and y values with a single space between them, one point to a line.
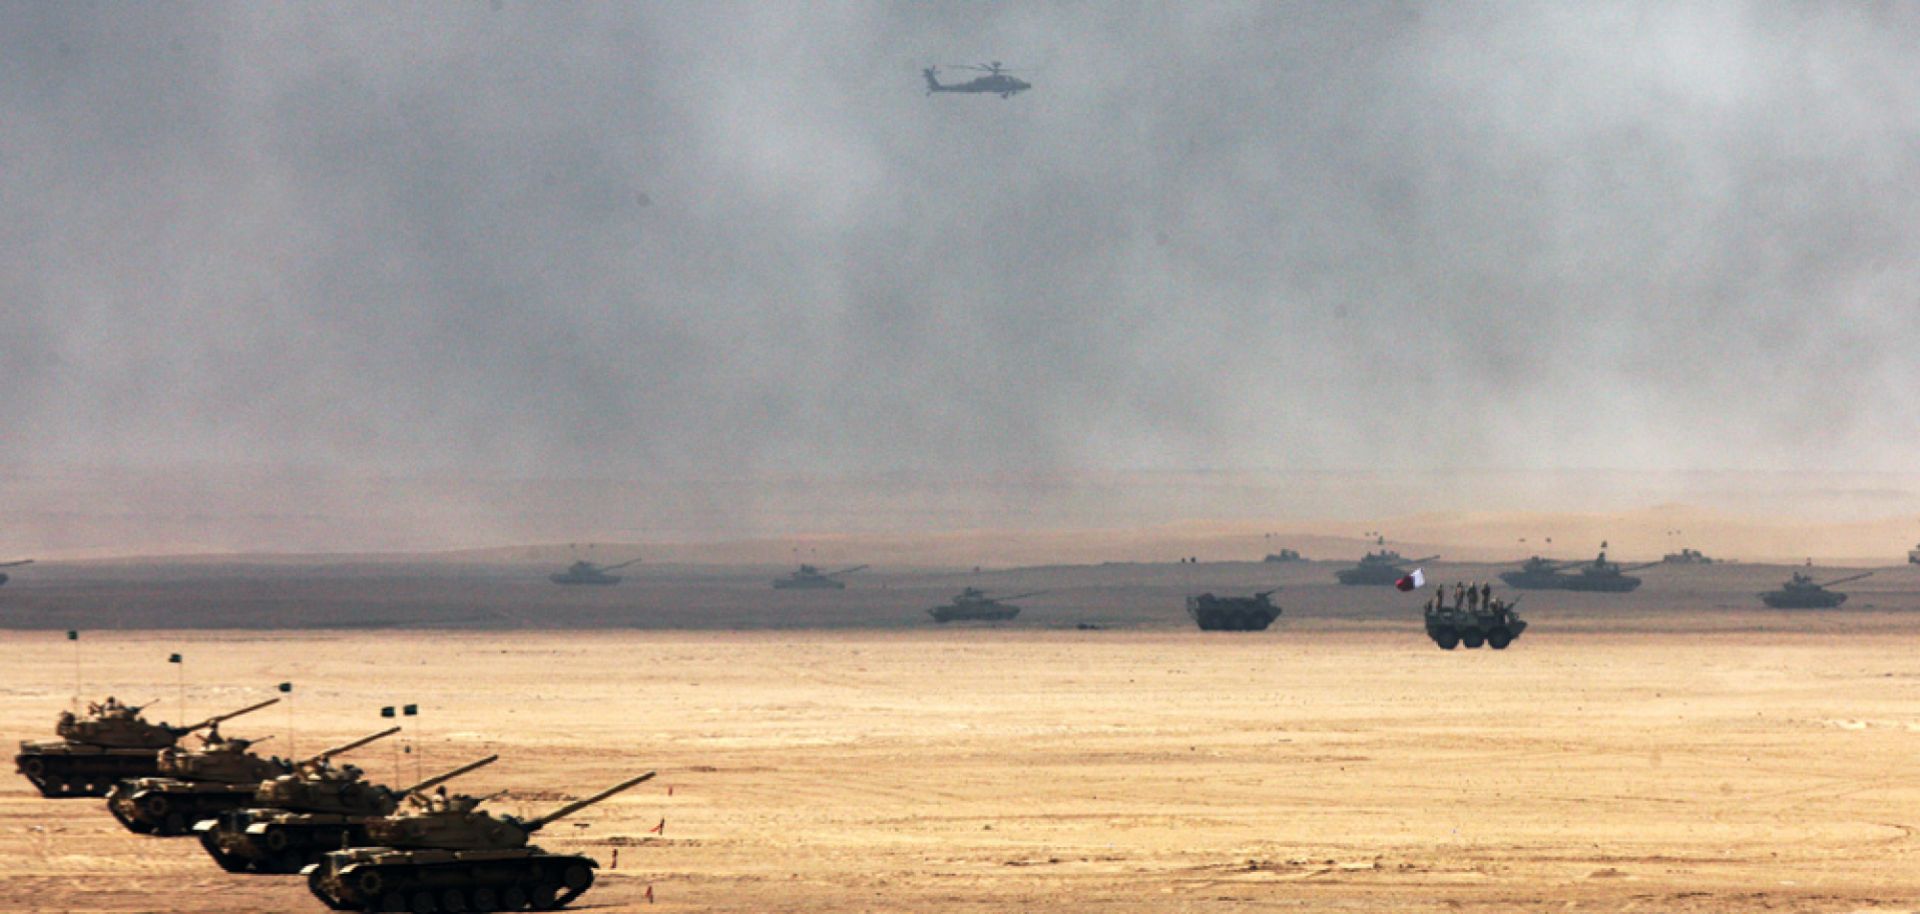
808 577
1233 614
1496 627
1801 592
443 853
112 743
192 786
294 822
973 605
1378 569
589 574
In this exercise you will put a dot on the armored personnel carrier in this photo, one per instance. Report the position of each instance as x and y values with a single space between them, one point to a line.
808 577
1284 555
111 743
973 605
1597 576
1379 568
1494 626
192 786
584 572
1233 614
1800 592
3 575
1686 557
296 821
444 853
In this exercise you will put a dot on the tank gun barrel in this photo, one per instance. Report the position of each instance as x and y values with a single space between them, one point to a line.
450 774
350 746
619 566
577 805
16 563
1423 559
217 718
1022 596
1643 565
835 574
1844 580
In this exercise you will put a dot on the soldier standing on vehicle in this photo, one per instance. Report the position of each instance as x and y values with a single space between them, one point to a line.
1459 594
1486 594
1473 596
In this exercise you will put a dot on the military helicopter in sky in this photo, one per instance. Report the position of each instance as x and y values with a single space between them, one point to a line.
996 81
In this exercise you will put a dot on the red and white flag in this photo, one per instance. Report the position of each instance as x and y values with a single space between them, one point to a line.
1413 580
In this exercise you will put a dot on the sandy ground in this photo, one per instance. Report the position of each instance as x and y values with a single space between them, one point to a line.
966 770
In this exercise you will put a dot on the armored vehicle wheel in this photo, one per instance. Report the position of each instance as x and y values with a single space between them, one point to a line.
485 900
1472 641
513 898
393 901
1447 641
174 826
1499 640
423 903
33 768
453 900
577 878
371 884
542 896
155 805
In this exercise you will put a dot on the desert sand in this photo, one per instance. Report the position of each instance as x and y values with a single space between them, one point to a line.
1740 766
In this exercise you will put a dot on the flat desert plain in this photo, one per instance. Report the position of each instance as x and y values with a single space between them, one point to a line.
1733 768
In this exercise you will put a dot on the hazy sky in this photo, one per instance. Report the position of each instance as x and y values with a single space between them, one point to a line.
669 241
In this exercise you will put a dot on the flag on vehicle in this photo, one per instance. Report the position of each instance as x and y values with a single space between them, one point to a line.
1413 580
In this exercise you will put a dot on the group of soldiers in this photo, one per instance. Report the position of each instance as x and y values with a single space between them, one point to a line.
1472 598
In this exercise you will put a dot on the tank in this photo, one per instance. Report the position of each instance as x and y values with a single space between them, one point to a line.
1597 576
584 572
446 854
289 829
1284 555
192 786
14 564
973 605
1686 557
1800 592
1379 568
111 743
1496 627
807 577
1233 614
1913 555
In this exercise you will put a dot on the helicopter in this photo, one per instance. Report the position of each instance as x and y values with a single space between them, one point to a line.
996 81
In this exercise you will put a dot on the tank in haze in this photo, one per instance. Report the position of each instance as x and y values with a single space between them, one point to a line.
192 786
585 572
974 605
1451 626
445 853
1686 557
296 821
111 743
1597 576
1284 555
1379 568
1233 614
1801 592
808 577
13 564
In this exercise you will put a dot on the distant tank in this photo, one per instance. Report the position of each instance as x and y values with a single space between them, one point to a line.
297 821
192 786
3 577
444 853
1233 614
1800 592
111 743
1284 555
973 605
1686 557
1597 576
1913 555
584 572
1495 627
1379 568
807 577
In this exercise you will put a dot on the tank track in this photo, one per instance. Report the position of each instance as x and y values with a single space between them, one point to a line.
474 881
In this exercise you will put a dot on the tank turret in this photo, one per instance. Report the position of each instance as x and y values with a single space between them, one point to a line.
112 742
288 838
1233 614
1802 592
168 806
808 577
447 853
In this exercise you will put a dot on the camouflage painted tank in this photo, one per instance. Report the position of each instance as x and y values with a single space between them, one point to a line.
193 786
288 829
807 577
1233 614
1379 568
111 743
973 605
1597 576
1800 592
443 853
1494 626
588 573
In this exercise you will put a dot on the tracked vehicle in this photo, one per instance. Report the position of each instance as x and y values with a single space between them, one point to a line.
295 822
1233 614
1800 592
1495 626
111 743
1597 576
192 786
808 577
588 573
1378 568
973 605
443 853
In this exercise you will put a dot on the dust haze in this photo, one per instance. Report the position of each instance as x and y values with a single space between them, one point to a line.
353 276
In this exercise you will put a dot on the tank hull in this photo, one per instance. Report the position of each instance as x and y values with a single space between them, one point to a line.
1780 599
385 879
1234 619
576 580
946 614
809 584
64 771
1452 628
270 842
166 808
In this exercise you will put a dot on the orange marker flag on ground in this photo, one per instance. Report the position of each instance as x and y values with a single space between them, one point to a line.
660 829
